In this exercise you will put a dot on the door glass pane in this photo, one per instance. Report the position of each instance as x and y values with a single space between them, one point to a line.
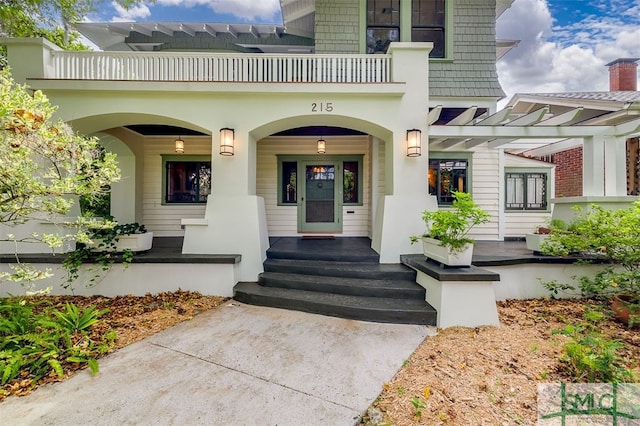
320 181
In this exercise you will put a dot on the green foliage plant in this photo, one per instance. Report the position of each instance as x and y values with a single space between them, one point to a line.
37 340
75 320
451 225
590 356
44 168
100 248
608 236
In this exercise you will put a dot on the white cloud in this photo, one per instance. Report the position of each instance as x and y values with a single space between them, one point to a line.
243 9
135 12
570 58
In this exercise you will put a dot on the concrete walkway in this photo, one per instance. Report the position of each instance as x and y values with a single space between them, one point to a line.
235 365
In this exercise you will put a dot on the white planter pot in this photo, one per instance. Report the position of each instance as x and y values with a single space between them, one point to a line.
433 250
133 242
534 241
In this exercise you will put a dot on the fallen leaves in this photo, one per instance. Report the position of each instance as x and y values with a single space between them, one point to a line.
489 375
132 318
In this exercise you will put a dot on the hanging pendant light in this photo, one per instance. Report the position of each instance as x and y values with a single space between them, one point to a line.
322 146
179 145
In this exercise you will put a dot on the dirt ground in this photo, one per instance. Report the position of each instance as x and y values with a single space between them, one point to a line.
132 318
462 376
489 375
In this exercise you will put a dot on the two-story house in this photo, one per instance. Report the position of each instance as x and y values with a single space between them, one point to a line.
348 120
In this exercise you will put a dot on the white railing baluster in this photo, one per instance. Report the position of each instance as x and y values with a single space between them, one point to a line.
259 68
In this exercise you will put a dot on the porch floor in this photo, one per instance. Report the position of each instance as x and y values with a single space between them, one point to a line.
354 249
486 253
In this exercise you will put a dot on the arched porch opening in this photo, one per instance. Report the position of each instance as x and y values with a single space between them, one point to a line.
331 187
145 145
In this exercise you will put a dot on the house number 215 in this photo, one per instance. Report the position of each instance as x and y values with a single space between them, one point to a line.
320 107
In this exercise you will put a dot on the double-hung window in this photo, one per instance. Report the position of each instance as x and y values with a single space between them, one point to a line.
428 24
526 190
383 24
186 180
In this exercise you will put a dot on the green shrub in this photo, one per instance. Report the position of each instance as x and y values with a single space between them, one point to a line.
590 356
604 235
36 342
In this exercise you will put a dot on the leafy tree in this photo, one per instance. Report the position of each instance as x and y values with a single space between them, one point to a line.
51 19
44 168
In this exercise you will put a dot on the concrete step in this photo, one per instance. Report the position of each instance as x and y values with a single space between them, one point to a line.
341 269
397 289
352 249
376 309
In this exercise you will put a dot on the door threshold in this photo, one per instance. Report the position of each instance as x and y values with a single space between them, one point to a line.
318 237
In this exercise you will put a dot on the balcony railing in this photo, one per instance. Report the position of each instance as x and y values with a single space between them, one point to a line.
203 67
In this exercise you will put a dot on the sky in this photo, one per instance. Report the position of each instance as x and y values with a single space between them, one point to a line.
564 44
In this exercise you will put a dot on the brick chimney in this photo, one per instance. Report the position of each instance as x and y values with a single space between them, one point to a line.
623 74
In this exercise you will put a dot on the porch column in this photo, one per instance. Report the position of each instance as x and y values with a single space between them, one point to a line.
593 166
29 57
615 166
398 212
235 218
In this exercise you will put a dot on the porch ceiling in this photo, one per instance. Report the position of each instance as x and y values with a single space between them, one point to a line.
540 131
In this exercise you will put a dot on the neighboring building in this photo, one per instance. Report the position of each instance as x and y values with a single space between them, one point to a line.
348 120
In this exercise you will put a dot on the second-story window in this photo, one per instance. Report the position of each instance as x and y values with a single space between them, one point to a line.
383 24
428 24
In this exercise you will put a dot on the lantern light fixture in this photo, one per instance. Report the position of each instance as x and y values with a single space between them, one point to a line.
179 145
227 139
322 146
414 143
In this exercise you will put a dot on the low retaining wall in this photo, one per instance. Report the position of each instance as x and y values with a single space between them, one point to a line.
524 281
213 275
467 296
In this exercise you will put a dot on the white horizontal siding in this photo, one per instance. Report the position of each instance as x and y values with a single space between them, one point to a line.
485 177
485 181
520 224
283 220
164 220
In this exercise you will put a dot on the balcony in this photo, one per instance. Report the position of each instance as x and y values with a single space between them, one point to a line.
203 67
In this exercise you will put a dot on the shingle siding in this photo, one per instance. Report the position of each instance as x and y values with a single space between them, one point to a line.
473 69
337 26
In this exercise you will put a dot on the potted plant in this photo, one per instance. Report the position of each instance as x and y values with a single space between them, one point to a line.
541 235
446 239
121 237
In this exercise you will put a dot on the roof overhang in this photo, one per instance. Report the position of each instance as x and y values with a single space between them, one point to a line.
299 17
112 36
502 5
505 46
